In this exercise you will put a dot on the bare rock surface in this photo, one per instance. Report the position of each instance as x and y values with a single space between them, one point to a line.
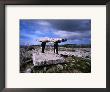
46 58
49 57
69 60
78 53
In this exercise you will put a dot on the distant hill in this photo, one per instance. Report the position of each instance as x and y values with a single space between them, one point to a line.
65 45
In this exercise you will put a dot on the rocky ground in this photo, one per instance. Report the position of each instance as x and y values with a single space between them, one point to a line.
69 60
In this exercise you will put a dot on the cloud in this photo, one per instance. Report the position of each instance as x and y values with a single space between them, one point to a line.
43 23
71 25
31 29
73 35
39 32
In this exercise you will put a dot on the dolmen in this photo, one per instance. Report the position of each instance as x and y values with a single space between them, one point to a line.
47 57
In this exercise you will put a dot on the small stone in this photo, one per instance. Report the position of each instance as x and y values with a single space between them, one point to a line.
45 69
73 60
59 67
78 65
28 70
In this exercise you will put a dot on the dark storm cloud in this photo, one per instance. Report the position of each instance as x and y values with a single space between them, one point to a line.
71 25
72 29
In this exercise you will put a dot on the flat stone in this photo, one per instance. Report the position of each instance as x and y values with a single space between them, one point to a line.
46 59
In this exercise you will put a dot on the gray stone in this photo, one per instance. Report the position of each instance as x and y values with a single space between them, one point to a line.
28 70
46 59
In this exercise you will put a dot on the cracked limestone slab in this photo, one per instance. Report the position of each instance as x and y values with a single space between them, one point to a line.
46 59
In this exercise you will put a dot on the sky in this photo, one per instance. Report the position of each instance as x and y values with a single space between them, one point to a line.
76 31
